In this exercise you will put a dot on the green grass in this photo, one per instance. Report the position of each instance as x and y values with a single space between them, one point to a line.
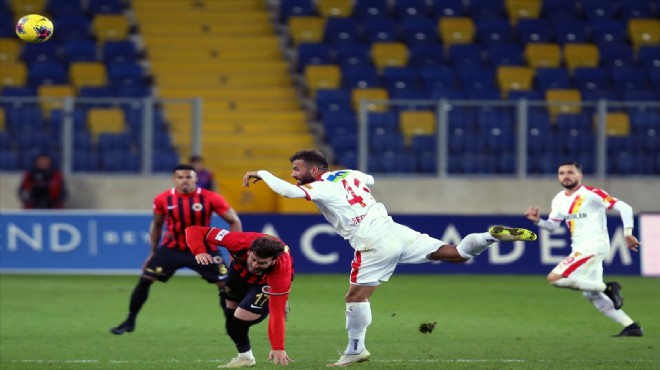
483 322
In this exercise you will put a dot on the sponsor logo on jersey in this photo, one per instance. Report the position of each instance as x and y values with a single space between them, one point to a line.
221 235
576 216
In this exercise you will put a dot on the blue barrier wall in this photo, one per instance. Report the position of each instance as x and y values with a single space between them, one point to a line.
118 242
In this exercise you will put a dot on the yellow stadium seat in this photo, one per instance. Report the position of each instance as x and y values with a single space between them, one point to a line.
563 101
88 74
517 9
542 55
335 8
322 77
10 49
581 55
456 30
257 199
2 119
13 74
57 93
372 93
416 123
296 206
110 27
389 54
616 124
644 31
105 120
25 7
514 78
306 29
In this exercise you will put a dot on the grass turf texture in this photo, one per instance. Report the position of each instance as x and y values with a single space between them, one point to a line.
483 322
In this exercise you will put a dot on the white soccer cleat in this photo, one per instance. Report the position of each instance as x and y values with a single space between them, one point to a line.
238 362
346 360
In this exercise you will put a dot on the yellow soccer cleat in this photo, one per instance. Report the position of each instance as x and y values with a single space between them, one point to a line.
507 234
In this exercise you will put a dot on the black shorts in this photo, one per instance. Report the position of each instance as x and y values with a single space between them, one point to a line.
248 296
164 263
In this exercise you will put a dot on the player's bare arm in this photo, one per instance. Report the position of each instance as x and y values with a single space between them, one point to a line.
279 357
533 213
250 175
231 217
632 242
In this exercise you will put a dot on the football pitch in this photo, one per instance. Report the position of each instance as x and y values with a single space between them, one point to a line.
483 322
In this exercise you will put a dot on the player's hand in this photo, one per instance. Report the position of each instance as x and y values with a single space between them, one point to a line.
250 175
632 242
204 259
533 214
279 357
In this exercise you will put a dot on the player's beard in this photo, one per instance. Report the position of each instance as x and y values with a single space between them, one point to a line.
569 185
306 179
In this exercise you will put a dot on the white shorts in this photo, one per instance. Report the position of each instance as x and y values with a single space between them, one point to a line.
586 266
385 245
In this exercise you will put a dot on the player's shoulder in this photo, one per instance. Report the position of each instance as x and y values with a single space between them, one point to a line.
163 195
593 190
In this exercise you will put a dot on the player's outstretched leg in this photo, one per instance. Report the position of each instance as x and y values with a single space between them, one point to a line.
505 234
613 292
632 330
346 360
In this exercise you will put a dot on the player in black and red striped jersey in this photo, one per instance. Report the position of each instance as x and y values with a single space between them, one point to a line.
259 282
177 208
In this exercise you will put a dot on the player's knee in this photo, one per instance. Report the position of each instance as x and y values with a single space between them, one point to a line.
552 278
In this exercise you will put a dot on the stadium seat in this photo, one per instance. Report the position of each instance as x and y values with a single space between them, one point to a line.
570 30
522 9
644 31
361 76
110 27
120 161
552 78
9 160
426 55
364 9
410 9
597 9
542 55
637 9
88 74
400 78
10 50
332 100
447 8
419 31
493 31
380 30
13 74
562 101
465 54
291 8
649 56
125 74
306 29
105 6
389 54
534 30
505 54
580 55
123 51
81 51
313 54
514 78
358 95
617 124
352 54
54 91
322 76
73 27
61 8
340 30
629 78
456 30
616 55
335 8
85 160
480 9
608 32
105 120
386 141
591 79
416 123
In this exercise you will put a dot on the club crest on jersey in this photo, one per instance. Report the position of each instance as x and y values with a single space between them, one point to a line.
197 207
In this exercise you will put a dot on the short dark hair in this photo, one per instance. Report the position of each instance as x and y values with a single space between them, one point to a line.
313 157
183 167
196 158
577 165
267 247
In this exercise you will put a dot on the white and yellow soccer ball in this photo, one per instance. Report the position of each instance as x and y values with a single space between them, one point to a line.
34 28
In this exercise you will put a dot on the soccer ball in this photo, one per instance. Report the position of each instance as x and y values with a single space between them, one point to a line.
34 28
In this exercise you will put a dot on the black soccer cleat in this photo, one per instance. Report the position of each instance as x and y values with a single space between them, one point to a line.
632 330
613 291
123 327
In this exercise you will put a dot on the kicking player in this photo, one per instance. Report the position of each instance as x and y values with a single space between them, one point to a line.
583 208
380 244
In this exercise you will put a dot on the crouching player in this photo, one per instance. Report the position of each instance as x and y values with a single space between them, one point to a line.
259 282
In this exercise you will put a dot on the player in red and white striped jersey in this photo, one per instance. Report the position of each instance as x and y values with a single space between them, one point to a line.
177 208
583 209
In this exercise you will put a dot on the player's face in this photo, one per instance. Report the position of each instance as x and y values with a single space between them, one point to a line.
569 176
301 172
184 181
257 265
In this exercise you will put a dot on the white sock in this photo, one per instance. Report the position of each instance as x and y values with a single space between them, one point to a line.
604 304
473 244
247 355
358 318
584 285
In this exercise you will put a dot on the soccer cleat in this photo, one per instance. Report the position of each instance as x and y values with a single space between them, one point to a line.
346 360
632 330
125 326
507 234
613 291
238 362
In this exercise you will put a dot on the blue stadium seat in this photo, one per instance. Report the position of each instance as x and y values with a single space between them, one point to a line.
570 30
73 27
591 78
123 51
120 161
616 55
348 159
629 78
637 9
465 55
41 52
9 160
649 56
608 32
528 95
105 6
86 160
82 140
596 95
352 54
381 30
342 30
343 143
534 30
634 95
505 54
164 161
47 73
313 54
598 9
290 8
64 8
18 91
7 26
400 78
125 74
339 123
416 31
424 144
110 142
426 55
447 8
364 9
493 31
486 9
80 51
476 77
410 9
380 123
359 76
558 9
387 141
552 78
437 76
333 100
396 162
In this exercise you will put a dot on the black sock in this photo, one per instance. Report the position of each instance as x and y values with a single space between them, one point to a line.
237 330
138 297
